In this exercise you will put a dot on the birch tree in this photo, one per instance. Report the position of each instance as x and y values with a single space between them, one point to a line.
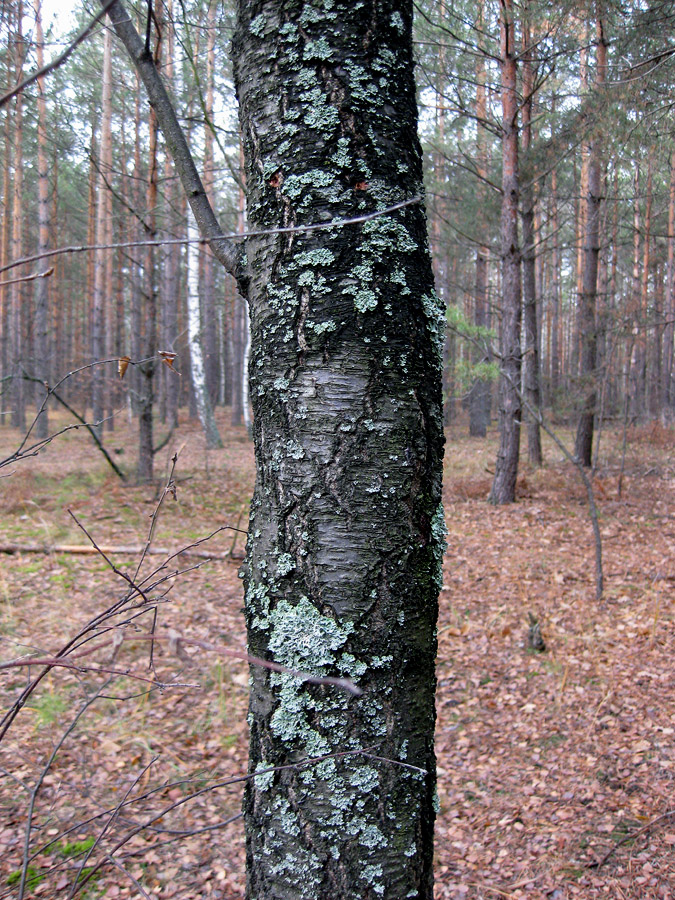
346 533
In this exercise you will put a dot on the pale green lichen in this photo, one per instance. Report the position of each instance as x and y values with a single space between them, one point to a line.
285 564
320 49
257 26
439 532
371 875
397 22
319 257
322 327
264 781
305 639
365 778
434 310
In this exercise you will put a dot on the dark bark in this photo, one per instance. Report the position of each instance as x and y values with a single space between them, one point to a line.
506 469
479 400
531 385
346 530
583 447
668 391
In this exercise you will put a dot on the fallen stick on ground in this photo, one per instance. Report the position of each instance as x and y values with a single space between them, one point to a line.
83 549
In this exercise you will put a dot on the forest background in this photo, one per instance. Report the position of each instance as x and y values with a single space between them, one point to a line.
83 166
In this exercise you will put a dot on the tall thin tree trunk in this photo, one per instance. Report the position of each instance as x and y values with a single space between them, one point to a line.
148 366
479 402
647 332
209 327
17 291
202 396
583 447
42 284
5 238
239 375
324 592
103 215
506 470
531 385
668 388
170 295
637 326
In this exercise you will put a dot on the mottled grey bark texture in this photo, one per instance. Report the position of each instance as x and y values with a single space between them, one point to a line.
346 533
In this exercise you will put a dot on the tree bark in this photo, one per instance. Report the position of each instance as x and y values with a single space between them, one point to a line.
5 238
42 284
479 400
17 292
583 447
531 369
197 369
668 391
346 530
103 215
506 470
209 330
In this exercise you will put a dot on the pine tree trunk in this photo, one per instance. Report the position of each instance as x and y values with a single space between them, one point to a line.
668 388
479 400
531 386
148 366
42 284
633 359
647 332
5 238
345 536
506 470
103 213
583 447
17 291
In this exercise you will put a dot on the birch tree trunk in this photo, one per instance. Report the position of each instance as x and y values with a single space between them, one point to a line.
346 536
199 386
346 528
209 326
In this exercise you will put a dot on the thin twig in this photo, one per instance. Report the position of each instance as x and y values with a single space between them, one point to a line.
118 865
107 825
160 242
667 816
38 785
25 278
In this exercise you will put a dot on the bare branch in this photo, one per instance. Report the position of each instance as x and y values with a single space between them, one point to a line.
163 242
224 249
25 278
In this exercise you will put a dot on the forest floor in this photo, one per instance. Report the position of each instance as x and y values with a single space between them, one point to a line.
556 769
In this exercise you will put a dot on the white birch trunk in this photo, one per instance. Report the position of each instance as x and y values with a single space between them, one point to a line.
204 409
